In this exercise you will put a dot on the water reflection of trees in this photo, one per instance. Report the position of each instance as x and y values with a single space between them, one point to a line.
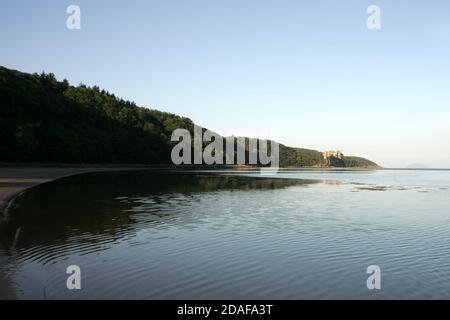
97 207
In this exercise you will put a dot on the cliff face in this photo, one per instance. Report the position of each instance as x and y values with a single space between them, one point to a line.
45 120
336 162
333 158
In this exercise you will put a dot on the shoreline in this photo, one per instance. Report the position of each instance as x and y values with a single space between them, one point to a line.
16 179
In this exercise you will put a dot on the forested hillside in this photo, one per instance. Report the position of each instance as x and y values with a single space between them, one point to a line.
45 120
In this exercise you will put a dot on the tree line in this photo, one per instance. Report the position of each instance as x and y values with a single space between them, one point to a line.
50 121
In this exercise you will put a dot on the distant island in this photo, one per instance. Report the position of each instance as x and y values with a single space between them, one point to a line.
43 120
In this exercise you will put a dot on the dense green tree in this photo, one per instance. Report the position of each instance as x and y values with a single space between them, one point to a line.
44 120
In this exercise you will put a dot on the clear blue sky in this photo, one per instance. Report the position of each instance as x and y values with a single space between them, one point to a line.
308 72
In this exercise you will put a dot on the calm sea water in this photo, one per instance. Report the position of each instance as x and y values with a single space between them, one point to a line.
299 234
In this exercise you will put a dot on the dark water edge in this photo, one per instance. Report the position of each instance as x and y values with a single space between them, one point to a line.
210 235
6 290
11 228
29 207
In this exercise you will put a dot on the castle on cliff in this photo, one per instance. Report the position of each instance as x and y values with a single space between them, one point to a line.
335 154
